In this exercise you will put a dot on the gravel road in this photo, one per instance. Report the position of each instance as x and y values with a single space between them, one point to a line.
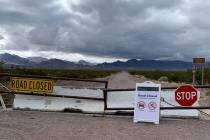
20 125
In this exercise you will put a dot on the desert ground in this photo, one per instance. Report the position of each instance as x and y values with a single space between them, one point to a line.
21 125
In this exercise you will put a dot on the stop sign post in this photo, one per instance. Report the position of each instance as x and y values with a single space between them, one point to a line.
186 95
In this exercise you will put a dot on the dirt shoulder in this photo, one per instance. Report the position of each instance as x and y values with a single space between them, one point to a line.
123 80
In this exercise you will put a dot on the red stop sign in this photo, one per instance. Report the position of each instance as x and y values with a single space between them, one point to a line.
186 95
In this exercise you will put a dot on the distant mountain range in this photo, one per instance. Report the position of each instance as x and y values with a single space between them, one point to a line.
40 62
9 59
37 59
149 64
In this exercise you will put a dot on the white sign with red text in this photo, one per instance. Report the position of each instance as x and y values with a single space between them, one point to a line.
147 102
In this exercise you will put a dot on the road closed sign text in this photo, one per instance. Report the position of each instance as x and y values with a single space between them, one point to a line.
31 84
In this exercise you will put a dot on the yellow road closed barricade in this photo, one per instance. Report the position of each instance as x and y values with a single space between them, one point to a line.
31 84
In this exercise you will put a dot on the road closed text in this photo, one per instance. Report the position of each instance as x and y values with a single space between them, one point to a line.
33 85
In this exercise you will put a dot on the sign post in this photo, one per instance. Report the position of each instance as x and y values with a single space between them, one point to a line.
186 95
147 102
198 61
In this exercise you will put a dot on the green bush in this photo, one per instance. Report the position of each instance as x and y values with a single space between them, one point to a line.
173 76
1 67
163 78
83 74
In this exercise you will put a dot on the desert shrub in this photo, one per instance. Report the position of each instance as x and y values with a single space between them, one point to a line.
1 66
83 74
173 76
163 78
208 93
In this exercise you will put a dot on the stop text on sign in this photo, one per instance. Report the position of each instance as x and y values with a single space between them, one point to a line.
31 84
186 95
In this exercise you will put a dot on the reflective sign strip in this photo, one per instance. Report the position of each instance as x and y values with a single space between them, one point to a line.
31 84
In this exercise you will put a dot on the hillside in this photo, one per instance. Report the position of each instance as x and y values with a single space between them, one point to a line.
132 64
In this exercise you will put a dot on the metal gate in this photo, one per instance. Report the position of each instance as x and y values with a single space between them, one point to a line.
129 91
98 85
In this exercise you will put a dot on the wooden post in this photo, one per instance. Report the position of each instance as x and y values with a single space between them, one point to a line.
193 74
202 76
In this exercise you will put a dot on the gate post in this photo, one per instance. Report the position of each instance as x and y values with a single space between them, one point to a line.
105 96
105 99
2 103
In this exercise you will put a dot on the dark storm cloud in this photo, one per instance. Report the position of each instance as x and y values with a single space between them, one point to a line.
145 29
1 37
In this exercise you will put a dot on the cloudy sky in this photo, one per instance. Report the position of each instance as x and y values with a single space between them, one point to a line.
106 30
